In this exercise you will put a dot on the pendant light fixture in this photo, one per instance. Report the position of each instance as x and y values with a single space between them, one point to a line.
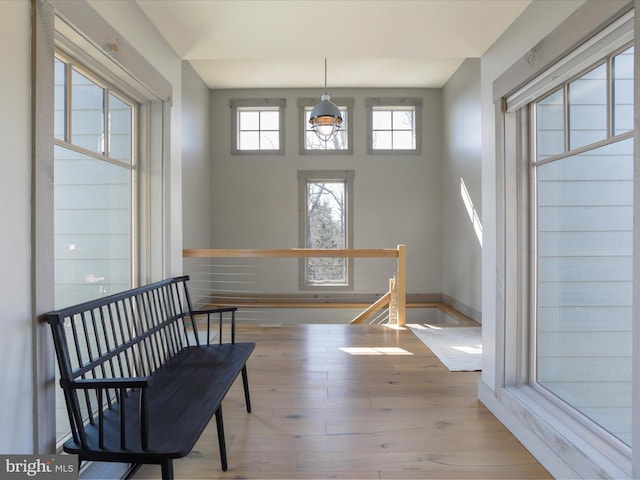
325 117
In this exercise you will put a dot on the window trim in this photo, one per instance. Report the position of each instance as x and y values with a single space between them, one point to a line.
415 103
620 32
302 103
305 176
258 103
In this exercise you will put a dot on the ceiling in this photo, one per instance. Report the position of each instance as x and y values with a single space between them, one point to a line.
375 43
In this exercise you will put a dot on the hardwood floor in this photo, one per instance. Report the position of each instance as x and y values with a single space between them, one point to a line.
354 402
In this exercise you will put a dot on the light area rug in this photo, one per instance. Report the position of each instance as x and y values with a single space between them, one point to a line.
458 348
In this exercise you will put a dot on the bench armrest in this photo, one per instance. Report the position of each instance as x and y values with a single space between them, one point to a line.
120 385
219 311
95 383
215 310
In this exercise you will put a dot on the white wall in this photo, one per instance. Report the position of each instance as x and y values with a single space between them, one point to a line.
16 321
196 160
461 172
397 197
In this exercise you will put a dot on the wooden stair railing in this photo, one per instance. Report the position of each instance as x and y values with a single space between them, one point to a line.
387 301
381 303
395 299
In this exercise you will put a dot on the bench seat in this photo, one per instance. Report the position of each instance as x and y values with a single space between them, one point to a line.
182 398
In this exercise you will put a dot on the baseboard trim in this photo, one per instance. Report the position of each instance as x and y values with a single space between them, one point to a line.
466 310
105 470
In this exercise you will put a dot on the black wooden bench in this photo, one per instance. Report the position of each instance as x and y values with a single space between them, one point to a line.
139 383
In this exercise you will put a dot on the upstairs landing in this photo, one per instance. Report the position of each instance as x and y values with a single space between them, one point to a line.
355 402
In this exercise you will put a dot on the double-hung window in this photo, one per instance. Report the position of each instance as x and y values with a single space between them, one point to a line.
394 125
257 126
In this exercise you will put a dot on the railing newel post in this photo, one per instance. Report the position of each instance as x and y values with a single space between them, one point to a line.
402 285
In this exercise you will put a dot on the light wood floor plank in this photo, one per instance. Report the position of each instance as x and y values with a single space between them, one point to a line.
354 402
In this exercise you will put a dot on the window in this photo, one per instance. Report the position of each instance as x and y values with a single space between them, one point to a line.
583 170
394 125
311 143
325 222
95 176
564 229
257 126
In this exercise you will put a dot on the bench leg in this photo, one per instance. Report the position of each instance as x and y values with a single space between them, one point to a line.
221 443
245 383
167 469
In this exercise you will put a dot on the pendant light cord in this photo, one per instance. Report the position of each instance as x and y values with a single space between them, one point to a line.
325 74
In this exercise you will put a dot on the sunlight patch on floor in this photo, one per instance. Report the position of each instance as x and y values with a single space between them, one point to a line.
393 326
471 349
423 326
375 351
